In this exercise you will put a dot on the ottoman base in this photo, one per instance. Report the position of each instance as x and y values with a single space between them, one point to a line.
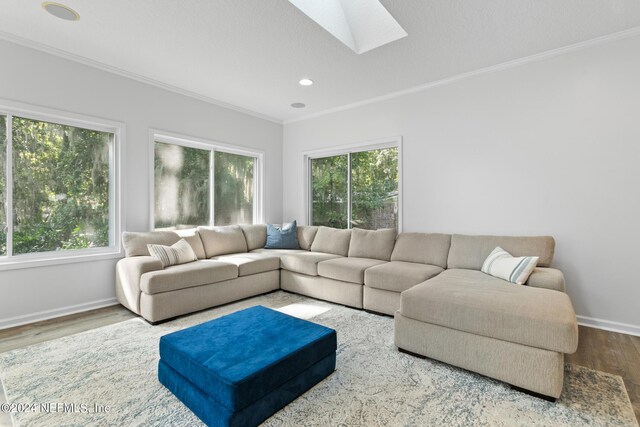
214 414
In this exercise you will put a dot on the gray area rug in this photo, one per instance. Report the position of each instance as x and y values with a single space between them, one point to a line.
374 384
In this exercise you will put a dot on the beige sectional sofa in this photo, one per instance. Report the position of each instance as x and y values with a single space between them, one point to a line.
445 308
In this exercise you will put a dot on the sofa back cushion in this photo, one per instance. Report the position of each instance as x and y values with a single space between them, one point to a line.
135 243
192 237
255 235
375 244
228 239
306 234
469 252
422 248
331 241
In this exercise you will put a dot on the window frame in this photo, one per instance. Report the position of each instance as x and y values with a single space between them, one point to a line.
36 259
165 137
308 156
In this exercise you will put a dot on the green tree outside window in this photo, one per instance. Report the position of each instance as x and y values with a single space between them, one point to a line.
366 198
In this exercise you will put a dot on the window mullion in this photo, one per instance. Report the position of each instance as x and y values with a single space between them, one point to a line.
349 209
112 190
9 184
255 193
212 186
310 191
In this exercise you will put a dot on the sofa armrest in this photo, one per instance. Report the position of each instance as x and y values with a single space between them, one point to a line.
128 273
548 278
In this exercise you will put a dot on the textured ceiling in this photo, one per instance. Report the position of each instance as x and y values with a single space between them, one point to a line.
251 53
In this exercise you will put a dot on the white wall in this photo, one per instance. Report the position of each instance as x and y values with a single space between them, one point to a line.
549 147
33 77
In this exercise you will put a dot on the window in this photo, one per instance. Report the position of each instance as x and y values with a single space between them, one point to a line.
199 183
57 187
3 186
358 189
233 178
330 191
181 185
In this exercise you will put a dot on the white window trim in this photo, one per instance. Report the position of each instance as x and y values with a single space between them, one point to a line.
157 135
391 142
114 250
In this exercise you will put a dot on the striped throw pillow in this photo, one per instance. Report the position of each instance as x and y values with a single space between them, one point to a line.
503 265
178 253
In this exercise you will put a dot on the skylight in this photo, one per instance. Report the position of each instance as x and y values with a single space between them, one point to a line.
360 24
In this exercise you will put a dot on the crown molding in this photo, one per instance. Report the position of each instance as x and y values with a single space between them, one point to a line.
491 69
115 70
635 31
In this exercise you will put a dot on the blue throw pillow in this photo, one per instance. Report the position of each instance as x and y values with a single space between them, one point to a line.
282 237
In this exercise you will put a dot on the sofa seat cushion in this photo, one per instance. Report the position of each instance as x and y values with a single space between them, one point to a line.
305 263
347 269
252 262
279 252
471 301
398 276
198 273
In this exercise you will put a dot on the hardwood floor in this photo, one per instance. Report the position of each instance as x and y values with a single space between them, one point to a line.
605 351
22 336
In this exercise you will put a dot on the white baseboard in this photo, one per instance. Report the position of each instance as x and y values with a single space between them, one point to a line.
56 312
608 325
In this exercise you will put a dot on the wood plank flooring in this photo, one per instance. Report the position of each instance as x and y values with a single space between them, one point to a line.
605 351
23 336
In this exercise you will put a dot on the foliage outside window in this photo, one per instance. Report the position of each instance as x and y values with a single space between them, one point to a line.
3 185
355 190
181 185
233 180
200 186
60 184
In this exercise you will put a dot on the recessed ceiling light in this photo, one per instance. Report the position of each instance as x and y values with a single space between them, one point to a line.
61 11
298 105
306 82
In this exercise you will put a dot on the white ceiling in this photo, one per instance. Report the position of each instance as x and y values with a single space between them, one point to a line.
251 53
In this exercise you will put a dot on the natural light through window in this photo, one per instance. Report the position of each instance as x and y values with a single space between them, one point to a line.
57 186
200 184
358 189
304 310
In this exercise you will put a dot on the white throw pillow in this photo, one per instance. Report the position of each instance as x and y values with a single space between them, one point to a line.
178 253
503 265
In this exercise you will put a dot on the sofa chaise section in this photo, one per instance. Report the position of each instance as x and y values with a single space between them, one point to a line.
514 333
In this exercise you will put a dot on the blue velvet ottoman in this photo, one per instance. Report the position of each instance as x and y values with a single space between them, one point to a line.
240 369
